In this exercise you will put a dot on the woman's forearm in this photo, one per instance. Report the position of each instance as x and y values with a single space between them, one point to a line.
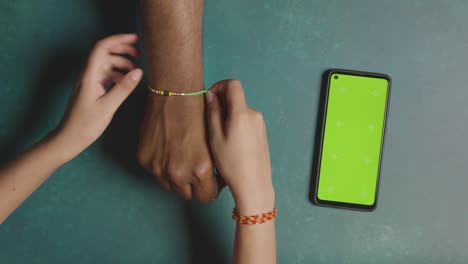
255 244
26 173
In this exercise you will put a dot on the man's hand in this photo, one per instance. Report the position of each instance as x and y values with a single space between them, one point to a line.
173 146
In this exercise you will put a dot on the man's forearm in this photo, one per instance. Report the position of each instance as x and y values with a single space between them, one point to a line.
173 144
173 43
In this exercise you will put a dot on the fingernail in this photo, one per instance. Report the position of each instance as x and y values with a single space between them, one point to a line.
209 97
136 74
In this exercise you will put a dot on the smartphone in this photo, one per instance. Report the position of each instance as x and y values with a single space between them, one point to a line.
352 138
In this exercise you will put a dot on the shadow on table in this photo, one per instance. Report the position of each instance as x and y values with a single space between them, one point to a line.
205 246
121 138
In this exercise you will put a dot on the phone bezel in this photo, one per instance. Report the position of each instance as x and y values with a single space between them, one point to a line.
361 207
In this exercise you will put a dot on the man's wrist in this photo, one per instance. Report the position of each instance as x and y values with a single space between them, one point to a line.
181 104
179 84
187 84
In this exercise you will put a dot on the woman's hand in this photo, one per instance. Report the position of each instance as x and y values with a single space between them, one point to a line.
239 146
91 106
90 111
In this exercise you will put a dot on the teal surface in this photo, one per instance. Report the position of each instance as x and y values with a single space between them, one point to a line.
101 208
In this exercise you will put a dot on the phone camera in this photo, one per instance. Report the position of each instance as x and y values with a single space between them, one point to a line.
336 77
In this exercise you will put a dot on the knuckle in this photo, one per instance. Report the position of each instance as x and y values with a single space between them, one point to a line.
242 111
258 115
239 112
239 116
203 170
156 169
174 173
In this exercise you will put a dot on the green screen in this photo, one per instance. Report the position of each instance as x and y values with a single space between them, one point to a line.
354 122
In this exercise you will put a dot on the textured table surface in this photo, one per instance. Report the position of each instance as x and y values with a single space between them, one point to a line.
102 208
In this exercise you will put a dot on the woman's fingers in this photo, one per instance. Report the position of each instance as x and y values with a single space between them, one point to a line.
112 77
125 49
108 43
121 63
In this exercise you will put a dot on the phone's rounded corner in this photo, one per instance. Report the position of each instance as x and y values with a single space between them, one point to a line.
389 81
327 74
330 71
386 77
313 199
372 207
312 195
317 201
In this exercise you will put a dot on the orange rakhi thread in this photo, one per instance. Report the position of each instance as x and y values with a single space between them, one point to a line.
254 219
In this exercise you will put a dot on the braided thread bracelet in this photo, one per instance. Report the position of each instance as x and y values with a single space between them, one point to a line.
254 219
170 93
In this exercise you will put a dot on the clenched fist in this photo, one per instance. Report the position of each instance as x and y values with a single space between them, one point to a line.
173 146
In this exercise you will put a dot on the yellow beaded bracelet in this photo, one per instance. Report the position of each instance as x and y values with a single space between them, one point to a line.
170 93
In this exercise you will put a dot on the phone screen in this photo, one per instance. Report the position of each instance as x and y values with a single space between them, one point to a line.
354 125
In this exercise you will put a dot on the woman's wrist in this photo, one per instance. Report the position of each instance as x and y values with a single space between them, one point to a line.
257 202
57 151
64 145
